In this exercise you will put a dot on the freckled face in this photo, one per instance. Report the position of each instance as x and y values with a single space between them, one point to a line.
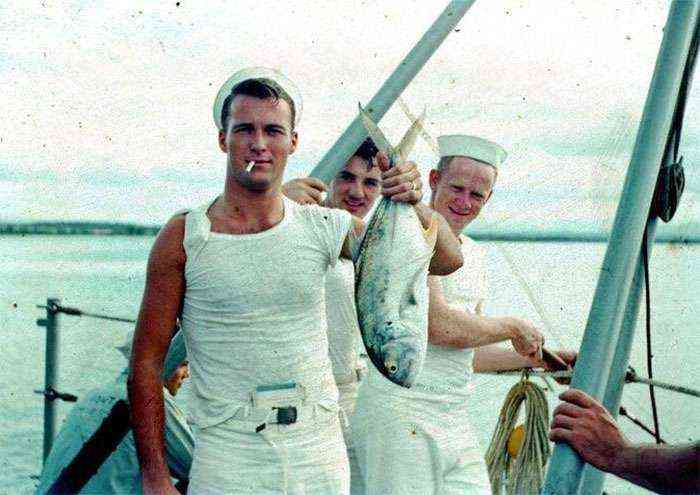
258 130
461 190
355 188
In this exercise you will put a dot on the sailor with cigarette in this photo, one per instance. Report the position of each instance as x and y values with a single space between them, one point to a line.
247 271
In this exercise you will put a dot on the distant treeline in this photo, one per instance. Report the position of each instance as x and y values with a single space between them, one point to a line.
563 236
77 228
479 234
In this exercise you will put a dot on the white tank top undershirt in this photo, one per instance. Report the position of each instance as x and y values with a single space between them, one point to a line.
254 311
344 337
447 372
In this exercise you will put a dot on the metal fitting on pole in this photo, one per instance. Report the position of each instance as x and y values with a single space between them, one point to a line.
50 371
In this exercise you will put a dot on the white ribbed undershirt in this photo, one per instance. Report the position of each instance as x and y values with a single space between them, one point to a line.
254 311
447 371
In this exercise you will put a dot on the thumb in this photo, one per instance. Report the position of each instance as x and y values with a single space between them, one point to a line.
316 183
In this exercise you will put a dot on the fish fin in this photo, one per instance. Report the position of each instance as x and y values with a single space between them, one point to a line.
422 130
409 139
376 134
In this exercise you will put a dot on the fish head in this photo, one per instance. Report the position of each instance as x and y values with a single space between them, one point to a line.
400 361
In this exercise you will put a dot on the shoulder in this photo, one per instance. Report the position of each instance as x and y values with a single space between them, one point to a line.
168 248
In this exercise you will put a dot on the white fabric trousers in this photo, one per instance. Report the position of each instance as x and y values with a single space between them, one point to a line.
407 445
347 394
307 457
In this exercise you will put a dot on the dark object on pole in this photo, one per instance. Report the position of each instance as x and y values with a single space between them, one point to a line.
94 452
50 371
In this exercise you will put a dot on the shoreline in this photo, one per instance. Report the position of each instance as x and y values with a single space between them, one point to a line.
478 234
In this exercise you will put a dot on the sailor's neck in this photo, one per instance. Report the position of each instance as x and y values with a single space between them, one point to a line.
239 211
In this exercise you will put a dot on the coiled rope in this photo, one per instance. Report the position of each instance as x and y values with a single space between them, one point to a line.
524 473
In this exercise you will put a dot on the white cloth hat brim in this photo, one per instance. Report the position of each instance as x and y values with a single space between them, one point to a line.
472 147
257 73
177 354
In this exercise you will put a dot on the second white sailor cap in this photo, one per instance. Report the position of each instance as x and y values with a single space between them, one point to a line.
177 353
472 147
257 73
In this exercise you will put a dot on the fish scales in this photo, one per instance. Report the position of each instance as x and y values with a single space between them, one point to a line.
391 284
391 291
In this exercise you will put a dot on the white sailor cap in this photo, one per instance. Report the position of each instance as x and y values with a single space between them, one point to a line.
472 147
176 355
257 73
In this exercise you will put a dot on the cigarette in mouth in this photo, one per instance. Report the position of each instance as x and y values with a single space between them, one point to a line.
250 166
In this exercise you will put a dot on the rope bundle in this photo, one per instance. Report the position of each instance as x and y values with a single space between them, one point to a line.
525 472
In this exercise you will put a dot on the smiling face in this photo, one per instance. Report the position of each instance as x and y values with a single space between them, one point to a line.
460 190
356 187
258 130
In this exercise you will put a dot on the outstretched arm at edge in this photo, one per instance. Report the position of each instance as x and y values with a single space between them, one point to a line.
661 468
592 432
161 304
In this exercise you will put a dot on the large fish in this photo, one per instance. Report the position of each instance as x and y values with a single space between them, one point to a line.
391 270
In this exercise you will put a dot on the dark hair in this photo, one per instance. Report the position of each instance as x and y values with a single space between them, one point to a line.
367 151
258 88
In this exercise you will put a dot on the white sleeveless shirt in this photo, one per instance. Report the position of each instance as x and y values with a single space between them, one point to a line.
447 371
254 308
345 340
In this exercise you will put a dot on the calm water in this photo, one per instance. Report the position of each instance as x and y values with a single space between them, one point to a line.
106 275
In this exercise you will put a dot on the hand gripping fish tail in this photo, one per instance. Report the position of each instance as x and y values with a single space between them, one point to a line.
391 280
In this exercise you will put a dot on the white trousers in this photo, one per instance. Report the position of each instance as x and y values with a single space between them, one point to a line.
304 458
347 399
406 445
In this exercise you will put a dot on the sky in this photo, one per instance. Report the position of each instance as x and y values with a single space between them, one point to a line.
107 105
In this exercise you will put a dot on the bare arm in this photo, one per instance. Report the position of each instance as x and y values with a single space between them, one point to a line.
591 431
160 306
453 327
496 358
660 468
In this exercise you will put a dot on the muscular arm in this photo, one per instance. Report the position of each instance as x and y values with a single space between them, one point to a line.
452 327
592 432
159 309
660 468
496 358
